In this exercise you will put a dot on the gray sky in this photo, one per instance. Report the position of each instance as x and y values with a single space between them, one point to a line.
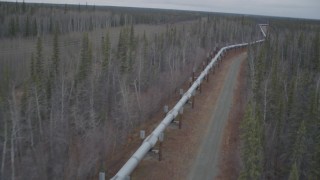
288 8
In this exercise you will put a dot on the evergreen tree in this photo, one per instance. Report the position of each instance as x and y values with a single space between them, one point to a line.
86 59
122 51
294 174
131 48
24 8
315 165
65 8
106 52
90 24
252 146
145 46
299 145
4 88
132 43
316 53
122 19
300 41
48 91
39 64
146 69
24 99
17 25
258 75
55 55
12 28
54 68
32 68
51 25
35 27
27 28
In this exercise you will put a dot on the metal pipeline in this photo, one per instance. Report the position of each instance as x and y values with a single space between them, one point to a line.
151 140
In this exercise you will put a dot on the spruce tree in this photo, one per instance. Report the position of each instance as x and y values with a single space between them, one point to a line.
315 165
106 52
27 28
122 51
316 53
294 174
24 8
32 68
12 28
55 50
17 28
131 48
299 145
54 68
39 64
146 69
145 46
86 59
35 27
51 25
252 146
65 8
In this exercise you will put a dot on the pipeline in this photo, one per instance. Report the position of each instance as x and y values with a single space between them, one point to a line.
151 140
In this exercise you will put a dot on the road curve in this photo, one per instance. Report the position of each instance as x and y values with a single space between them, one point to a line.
205 165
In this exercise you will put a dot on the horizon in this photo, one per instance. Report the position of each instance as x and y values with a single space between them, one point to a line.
187 7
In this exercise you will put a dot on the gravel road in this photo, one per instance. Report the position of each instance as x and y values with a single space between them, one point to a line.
205 165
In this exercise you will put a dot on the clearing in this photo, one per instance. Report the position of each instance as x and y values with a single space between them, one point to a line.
193 151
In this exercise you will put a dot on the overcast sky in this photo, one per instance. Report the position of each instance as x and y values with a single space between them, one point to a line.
286 8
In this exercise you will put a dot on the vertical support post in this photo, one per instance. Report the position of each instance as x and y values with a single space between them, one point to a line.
102 175
200 87
142 135
161 137
165 110
160 151
181 93
180 117
203 65
193 73
193 98
190 82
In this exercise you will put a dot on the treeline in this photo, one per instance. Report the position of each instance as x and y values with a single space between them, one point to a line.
27 20
281 127
75 107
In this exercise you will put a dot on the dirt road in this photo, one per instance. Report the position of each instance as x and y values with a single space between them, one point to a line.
181 147
205 164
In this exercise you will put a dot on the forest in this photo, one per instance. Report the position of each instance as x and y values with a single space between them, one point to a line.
280 131
76 80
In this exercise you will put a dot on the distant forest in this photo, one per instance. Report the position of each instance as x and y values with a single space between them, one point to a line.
281 127
76 80
22 19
